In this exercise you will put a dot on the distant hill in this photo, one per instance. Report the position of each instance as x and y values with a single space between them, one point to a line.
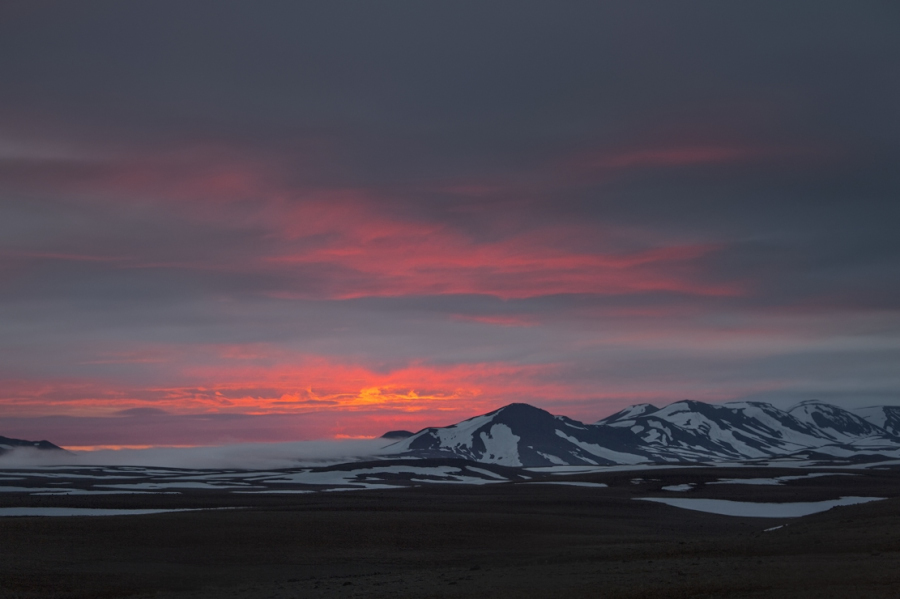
682 432
397 435
6 444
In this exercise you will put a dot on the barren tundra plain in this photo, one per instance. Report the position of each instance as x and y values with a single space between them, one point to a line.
521 537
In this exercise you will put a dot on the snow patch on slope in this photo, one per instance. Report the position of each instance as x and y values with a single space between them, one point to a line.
603 452
501 446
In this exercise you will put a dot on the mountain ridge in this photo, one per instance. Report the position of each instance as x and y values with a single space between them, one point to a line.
8 443
686 431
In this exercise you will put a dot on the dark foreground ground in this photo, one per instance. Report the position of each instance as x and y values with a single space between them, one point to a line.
504 540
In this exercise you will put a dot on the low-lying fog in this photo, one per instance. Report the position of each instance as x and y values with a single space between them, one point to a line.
249 456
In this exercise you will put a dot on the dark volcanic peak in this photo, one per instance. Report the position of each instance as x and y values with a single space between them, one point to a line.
520 435
685 431
397 434
7 443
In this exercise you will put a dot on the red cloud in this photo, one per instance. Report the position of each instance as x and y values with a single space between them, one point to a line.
687 155
682 156
357 248
381 256
502 320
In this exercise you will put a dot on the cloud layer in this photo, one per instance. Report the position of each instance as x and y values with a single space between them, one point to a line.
340 219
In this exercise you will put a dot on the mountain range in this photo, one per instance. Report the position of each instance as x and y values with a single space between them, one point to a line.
682 432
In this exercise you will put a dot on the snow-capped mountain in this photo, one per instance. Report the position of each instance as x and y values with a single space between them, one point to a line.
522 435
836 423
885 417
629 413
695 430
685 431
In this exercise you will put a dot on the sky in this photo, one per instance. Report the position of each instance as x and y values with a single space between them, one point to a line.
226 222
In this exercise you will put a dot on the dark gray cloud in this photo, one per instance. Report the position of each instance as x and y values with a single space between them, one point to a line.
391 186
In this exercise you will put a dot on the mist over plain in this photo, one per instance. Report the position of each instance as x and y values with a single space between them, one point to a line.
239 456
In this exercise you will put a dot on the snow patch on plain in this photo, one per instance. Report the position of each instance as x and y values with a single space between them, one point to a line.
78 511
485 472
751 509
678 488
573 483
778 480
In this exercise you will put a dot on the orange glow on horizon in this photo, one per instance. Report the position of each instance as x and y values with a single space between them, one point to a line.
311 384
89 448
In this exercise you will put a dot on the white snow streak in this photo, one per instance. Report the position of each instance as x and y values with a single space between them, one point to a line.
750 509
